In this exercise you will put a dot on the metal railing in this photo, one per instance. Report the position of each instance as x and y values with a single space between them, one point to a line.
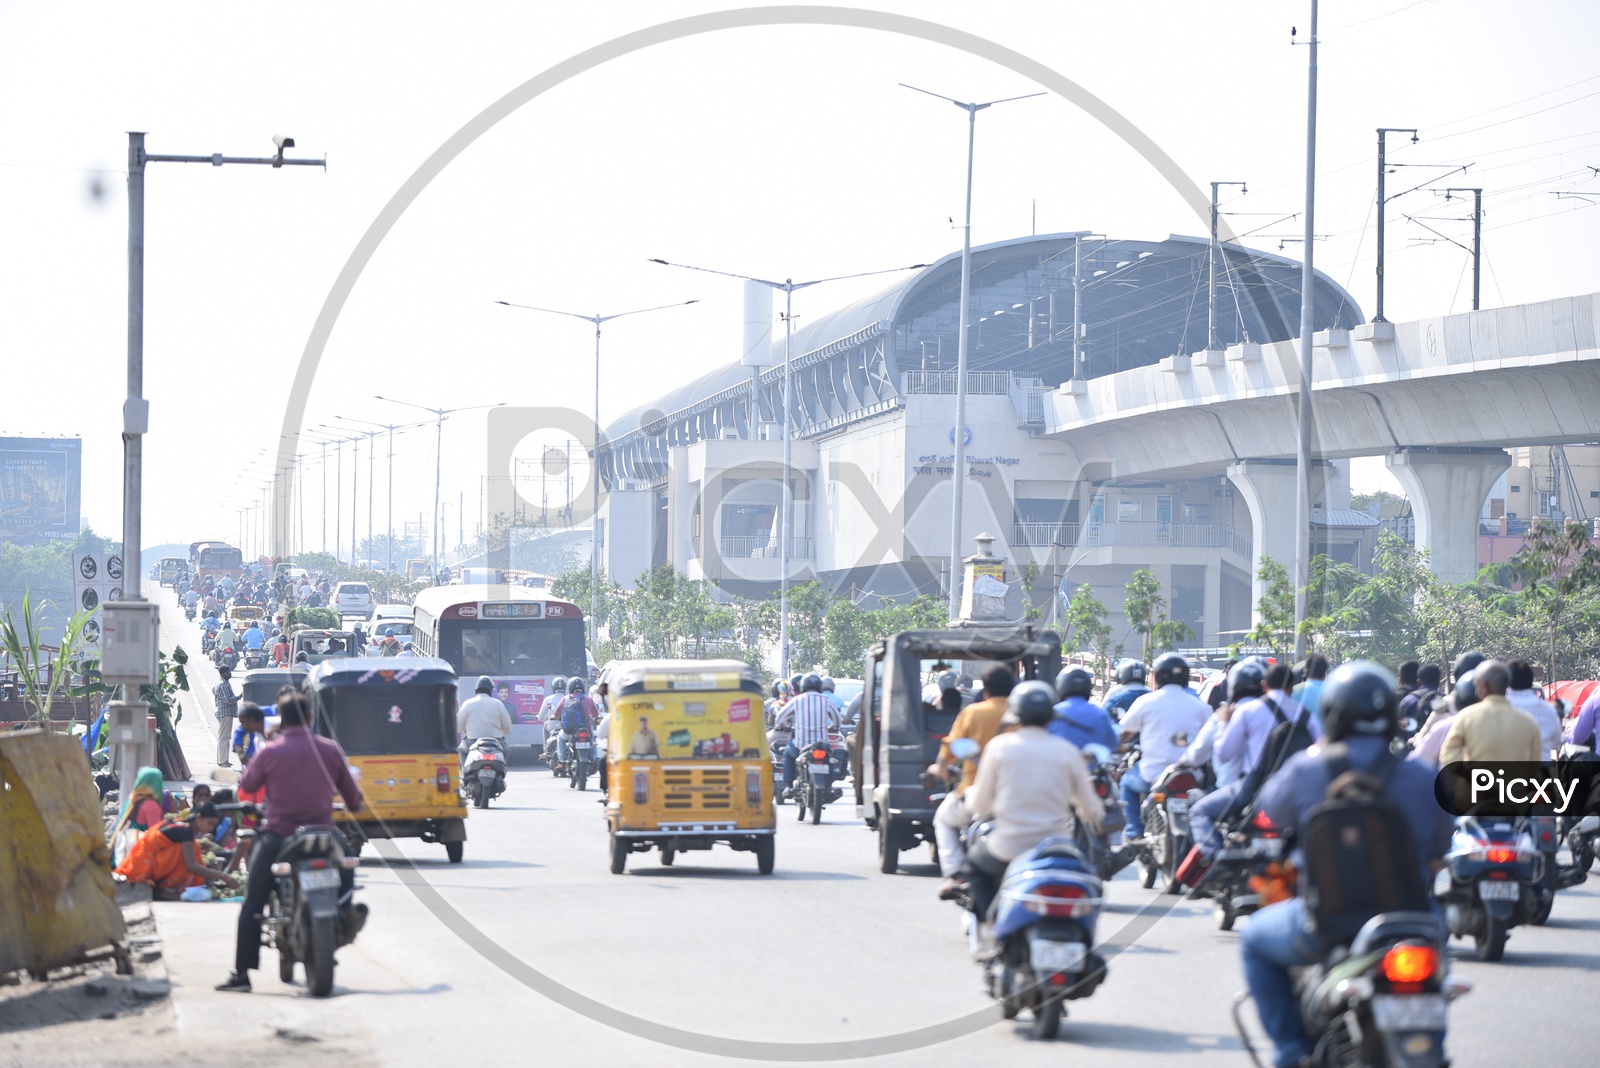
979 383
1137 535
763 548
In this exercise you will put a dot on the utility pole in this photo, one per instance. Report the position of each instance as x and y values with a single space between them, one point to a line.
1377 316
1308 303
1477 235
1216 254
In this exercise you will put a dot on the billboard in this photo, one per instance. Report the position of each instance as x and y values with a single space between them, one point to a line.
40 488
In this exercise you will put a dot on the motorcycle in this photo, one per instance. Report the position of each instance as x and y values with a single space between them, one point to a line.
307 917
814 778
1580 836
255 658
1167 839
484 775
776 741
1097 847
1250 851
552 749
1489 882
581 747
1035 939
208 642
1383 1001
228 658
188 612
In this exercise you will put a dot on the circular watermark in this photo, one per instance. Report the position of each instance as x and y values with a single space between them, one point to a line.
366 248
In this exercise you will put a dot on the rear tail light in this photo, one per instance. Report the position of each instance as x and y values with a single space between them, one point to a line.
1500 855
1407 963
1069 899
1102 789
280 868
819 755
1181 784
752 785
317 865
641 787
441 778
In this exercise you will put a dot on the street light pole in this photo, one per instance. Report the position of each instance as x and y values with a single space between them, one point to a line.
959 477
1377 316
788 285
391 428
439 415
1308 303
1211 273
594 464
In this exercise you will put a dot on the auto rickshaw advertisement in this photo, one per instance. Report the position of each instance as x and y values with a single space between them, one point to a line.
701 726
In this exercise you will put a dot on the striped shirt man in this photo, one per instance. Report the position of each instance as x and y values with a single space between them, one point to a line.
809 715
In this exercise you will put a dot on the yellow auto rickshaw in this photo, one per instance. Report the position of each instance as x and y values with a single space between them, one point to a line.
242 615
687 760
396 720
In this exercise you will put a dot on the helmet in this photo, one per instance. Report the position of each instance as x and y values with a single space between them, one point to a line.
485 684
1131 672
1171 670
827 684
1074 682
945 681
559 685
1466 691
812 683
1247 679
1465 663
794 683
1359 698
1031 703
778 689
387 632
577 684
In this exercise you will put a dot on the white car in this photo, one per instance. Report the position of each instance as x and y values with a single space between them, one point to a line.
353 599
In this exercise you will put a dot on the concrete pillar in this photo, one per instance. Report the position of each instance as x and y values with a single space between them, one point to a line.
1211 617
1447 489
1268 489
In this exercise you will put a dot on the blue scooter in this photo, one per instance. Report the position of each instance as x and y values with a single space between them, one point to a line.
1490 882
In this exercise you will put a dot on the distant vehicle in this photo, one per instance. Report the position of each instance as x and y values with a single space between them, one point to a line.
391 617
320 645
416 569
479 576
522 639
172 568
214 559
353 599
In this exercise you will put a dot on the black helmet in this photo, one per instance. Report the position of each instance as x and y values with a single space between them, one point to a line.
1466 692
827 684
1074 682
559 685
945 681
485 684
1131 672
1360 698
1465 663
795 681
1031 704
1171 670
576 684
811 683
1247 679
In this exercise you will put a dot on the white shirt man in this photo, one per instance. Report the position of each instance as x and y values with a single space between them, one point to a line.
1246 733
1543 713
483 716
1030 781
1167 722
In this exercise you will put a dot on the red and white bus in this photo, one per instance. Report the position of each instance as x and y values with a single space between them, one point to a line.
523 639
215 559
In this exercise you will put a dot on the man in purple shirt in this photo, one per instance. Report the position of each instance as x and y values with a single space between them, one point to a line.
1583 729
299 772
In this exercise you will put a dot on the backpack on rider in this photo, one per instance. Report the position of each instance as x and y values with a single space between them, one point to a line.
1359 857
1286 738
572 716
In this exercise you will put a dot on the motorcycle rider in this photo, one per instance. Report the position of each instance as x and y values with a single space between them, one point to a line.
809 715
1130 687
1029 783
1165 721
254 637
1494 728
1244 738
1525 697
1360 712
552 702
1246 682
979 721
483 715
838 702
1079 720
226 637
1426 743
299 773
577 711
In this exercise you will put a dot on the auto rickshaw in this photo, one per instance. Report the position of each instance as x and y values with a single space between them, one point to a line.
242 615
320 645
397 723
687 760
171 569
261 685
899 733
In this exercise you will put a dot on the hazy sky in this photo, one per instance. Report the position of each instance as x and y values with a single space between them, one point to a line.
784 151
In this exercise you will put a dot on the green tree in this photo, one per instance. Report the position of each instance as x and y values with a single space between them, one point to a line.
1143 605
1558 568
1084 627
1275 608
1027 579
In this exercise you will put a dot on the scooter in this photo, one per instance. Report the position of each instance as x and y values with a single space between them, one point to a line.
1489 882
1167 839
483 776
188 612
1035 939
1382 1001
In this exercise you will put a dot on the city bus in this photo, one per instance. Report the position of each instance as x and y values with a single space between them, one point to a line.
523 639
214 559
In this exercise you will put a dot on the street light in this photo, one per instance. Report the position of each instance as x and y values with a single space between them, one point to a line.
788 285
438 456
391 428
594 469
338 486
1383 131
960 473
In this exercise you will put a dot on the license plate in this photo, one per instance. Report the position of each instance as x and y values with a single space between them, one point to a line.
819 773
486 776
1178 805
1499 890
1048 956
584 747
1267 847
1410 1012
322 879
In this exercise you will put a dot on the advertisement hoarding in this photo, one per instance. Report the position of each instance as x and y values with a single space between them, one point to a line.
40 488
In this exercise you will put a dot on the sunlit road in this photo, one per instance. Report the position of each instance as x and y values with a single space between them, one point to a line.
826 950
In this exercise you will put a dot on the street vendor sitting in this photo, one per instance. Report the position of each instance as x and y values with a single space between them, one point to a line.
165 856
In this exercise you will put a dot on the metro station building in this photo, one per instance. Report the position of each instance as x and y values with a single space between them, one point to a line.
694 479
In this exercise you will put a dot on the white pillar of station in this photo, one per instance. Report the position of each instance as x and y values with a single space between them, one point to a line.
1268 488
1447 488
